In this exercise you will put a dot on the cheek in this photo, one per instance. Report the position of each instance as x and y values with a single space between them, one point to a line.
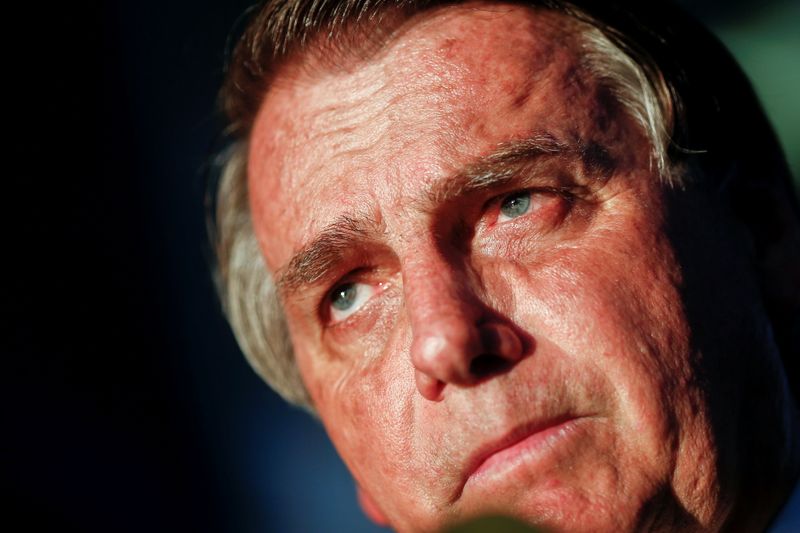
363 338
612 305
365 406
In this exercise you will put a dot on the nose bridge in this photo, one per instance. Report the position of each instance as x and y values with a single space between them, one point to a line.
444 315
438 291
456 339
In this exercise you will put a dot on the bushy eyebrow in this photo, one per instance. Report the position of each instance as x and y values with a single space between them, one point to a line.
497 168
510 158
322 254
313 262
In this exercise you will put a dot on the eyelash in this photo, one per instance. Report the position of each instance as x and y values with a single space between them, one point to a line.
359 277
359 299
494 205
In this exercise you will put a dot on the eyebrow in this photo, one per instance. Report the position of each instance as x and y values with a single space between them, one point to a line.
316 259
313 262
497 168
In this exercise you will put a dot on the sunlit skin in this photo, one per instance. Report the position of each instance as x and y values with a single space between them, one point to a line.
561 278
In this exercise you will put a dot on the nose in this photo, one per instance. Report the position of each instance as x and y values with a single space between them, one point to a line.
457 339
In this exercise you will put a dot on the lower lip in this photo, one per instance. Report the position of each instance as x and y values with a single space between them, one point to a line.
530 450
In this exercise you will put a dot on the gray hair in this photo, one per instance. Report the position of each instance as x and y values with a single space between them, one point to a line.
246 287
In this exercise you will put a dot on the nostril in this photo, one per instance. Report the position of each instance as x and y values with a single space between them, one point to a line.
486 365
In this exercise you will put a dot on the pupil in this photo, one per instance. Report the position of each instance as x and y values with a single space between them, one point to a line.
343 297
514 206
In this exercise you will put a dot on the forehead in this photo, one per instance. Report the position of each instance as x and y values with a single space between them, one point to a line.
368 135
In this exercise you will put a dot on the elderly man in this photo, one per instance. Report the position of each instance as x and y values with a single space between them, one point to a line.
534 258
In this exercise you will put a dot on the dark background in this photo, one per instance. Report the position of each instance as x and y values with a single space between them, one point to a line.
126 405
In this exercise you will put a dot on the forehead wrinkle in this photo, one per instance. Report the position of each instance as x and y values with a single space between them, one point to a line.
325 251
336 123
355 130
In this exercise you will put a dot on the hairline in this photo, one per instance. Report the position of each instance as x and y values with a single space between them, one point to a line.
650 112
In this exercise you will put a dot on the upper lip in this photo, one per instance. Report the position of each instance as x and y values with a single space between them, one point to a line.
507 440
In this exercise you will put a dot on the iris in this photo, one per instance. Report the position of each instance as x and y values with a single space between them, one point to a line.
516 205
344 296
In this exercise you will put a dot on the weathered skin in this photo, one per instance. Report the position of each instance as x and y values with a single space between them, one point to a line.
582 297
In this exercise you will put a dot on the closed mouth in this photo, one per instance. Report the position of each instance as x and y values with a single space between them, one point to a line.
525 442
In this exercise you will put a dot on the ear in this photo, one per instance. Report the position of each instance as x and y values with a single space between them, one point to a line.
370 508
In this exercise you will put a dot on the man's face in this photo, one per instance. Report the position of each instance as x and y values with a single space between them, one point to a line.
483 301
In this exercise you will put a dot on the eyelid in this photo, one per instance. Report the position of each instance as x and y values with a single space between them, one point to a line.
364 294
361 276
492 206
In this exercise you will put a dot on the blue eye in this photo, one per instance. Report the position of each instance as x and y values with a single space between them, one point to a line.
344 296
515 205
348 298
